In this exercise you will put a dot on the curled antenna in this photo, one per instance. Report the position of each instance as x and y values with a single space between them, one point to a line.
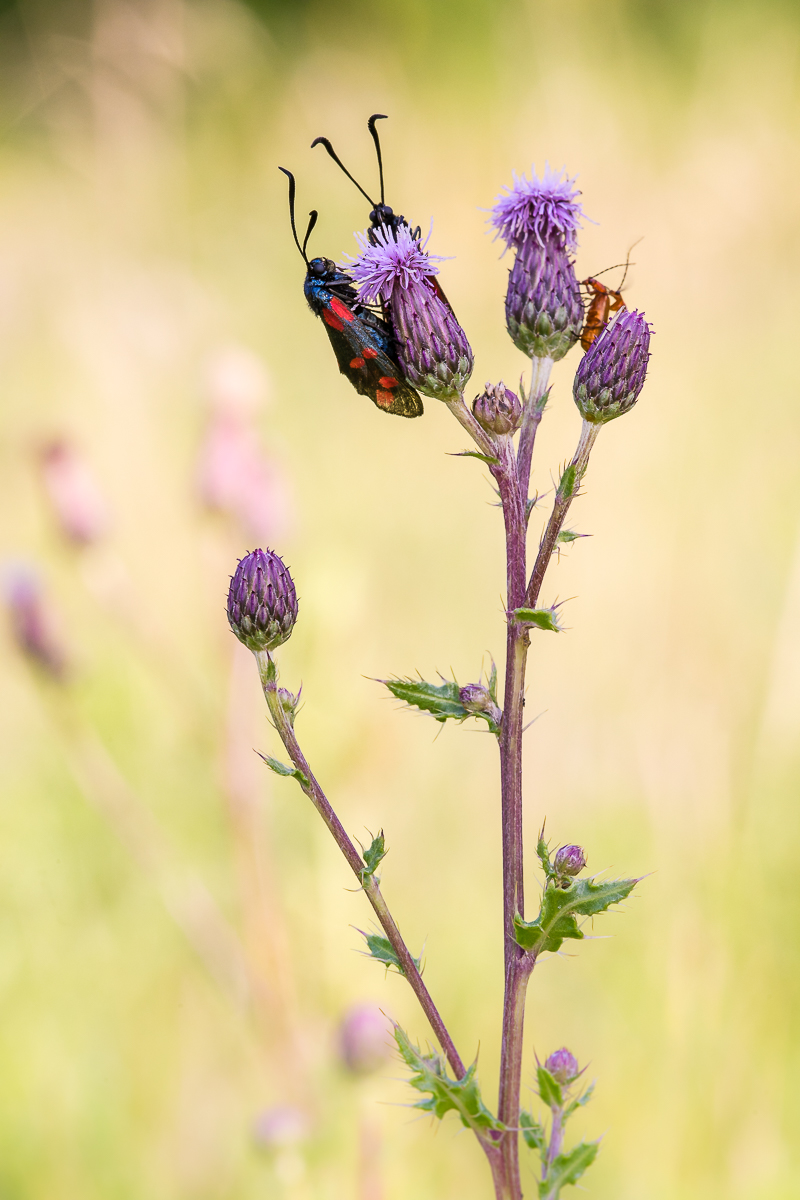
371 127
312 216
323 141
626 264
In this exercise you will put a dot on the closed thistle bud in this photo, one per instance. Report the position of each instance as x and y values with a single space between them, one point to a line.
539 218
478 699
497 409
563 1066
432 348
569 860
611 373
262 601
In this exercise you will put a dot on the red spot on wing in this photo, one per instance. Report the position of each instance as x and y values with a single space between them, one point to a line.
341 309
356 362
370 353
385 399
388 381
331 320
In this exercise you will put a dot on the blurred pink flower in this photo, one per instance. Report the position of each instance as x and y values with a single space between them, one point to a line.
281 1126
77 502
364 1039
31 618
235 476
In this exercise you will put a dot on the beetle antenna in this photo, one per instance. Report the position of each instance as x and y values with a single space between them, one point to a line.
371 127
311 224
323 141
627 264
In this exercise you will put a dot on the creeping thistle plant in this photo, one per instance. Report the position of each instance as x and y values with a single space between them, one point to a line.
538 219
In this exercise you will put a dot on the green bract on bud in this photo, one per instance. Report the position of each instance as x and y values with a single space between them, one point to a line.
569 860
497 409
563 1066
478 699
288 702
262 602
611 373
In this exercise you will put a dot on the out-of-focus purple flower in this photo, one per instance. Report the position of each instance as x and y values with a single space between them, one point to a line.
612 372
539 219
432 348
32 622
364 1039
281 1127
72 490
234 474
262 601
569 860
497 409
563 1066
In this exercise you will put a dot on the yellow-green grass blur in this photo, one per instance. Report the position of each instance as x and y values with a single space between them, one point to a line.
179 941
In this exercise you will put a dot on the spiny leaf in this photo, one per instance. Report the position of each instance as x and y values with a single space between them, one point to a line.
541 618
567 1169
285 769
429 1075
381 948
543 851
549 1088
532 1132
442 701
373 856
568 535
493 681
487 458
579 1102
561 907
569 481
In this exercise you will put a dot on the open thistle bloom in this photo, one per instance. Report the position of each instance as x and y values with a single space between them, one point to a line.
432 348
539 219
611 373
262 601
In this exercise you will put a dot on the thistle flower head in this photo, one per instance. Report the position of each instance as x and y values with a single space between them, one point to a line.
497 410
432 348
611 374
569 860
364 1039
540 210
262 601
563 1066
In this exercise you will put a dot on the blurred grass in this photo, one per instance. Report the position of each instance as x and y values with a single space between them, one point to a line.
142 226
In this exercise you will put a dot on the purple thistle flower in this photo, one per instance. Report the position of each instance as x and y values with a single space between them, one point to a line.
612 372
562 1065
432 348
262 601
540 218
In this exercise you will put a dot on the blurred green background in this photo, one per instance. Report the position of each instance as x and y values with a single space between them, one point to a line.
178 941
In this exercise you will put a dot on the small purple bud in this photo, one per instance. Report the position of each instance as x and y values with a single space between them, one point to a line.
498 410
288 702
478 699
432 348
364 1039
262 601
612 372
563 1066
33 624
569 860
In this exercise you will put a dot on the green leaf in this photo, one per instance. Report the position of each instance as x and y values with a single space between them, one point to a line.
442 701
569 482
373 856
568 535
487 458
549 1088
541 618
561 907
381 948
567 1169
492 683
543 851
532 1132
579 1101
285 769
429 1075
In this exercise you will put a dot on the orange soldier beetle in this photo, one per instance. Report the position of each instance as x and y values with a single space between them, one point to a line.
603 303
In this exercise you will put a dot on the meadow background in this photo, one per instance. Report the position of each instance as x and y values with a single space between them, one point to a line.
178 942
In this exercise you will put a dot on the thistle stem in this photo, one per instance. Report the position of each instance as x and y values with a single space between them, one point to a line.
531 418
269 682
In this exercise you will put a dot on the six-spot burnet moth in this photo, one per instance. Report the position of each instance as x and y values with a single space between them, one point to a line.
361 340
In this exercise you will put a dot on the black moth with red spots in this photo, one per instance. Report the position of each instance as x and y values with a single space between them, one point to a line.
361 340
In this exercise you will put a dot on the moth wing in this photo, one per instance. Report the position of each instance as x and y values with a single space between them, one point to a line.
362 356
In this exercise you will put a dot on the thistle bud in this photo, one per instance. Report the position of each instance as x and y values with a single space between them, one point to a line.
478 699
432 348
498 410
364 1039
539 219
289 702
611 373
33 625
563 1066
569 860
262 602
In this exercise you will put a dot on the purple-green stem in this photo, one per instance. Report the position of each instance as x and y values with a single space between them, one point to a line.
554 1147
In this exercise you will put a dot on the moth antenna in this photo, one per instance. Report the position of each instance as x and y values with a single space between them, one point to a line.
371 127
323 141
292 192
312 220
